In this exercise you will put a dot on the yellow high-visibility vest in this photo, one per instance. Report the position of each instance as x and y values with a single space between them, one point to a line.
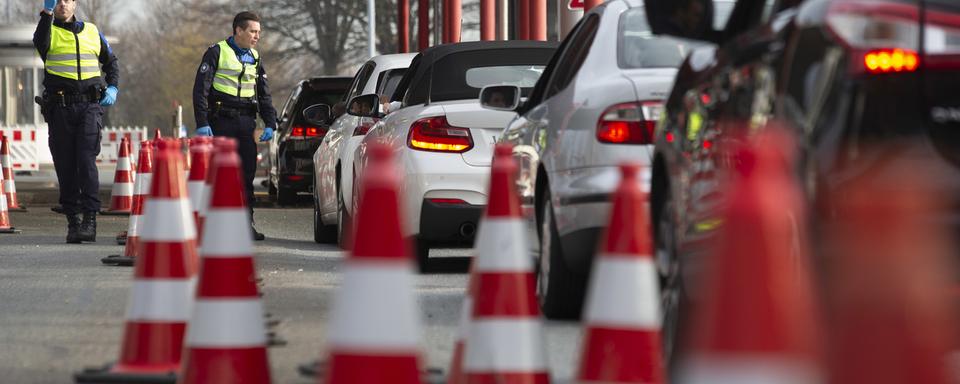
234 77
74 56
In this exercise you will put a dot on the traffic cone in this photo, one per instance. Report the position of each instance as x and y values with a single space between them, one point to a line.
121 200
141 192
621 342
164 281
456 375
892 294
505 341
5 226
9 186
756 321
226 338
374 333
200 151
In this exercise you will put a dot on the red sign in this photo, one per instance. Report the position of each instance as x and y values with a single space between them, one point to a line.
575 4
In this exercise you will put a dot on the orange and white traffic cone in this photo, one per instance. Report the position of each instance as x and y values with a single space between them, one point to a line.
200 151
621 342
164 281
121 200
456 375
226 337
505 338
374 334
891 279
9 185
140 195
5 226
756 321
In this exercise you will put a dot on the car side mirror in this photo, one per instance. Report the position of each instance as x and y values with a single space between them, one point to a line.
500 97
690 19
365 106
317 114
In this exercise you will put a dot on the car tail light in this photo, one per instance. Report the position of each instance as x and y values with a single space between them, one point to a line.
300 133
435 134
629 123
885 36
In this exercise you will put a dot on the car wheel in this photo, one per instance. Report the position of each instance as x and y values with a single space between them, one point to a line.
322 234
343 223
671 286
271 188
286 196
423 255
560 291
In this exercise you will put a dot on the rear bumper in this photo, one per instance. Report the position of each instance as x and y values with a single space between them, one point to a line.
295 165
448 223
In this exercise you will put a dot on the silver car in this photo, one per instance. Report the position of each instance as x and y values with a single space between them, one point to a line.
595 107
379 75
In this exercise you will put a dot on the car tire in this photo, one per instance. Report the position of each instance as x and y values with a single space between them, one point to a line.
286 196
423 255
322 234
560 291
343 223
673 300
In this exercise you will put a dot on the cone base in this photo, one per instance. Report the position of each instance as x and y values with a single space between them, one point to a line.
115 213
17 209
105 376
10 230
118 260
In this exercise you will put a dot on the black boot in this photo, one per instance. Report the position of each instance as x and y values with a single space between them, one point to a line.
73 228
256 235
88 228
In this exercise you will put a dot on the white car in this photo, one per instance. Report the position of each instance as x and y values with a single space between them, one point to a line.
379 75
444 139
595 107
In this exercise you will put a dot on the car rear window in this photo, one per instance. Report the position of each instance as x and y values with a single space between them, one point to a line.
639 48
460 76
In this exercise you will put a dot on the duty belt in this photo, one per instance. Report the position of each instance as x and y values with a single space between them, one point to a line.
222 110
64 98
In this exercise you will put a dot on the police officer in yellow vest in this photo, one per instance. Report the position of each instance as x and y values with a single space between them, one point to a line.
72 104
230 90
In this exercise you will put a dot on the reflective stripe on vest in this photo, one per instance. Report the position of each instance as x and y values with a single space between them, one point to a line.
234 77
74 56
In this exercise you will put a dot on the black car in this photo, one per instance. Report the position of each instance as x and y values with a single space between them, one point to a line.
291 151
864 87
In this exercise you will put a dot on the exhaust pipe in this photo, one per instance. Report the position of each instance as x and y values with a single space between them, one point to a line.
468 229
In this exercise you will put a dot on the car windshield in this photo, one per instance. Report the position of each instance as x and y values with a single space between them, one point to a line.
639 48
460 76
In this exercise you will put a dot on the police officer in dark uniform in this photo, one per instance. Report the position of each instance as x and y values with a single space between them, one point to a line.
72 104
230 89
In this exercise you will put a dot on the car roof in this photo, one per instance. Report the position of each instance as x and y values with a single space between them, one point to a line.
392 60
425 60
327 83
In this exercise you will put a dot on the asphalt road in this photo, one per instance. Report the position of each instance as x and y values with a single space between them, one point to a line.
61 310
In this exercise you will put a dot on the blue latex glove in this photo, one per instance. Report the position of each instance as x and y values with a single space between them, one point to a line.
267 134
49 4
204 131
109 97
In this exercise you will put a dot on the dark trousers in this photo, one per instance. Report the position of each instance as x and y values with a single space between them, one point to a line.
75 144
240 127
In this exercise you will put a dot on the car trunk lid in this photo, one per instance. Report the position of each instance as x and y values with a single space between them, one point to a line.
485 128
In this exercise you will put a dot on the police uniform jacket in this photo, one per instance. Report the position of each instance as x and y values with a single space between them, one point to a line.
54 83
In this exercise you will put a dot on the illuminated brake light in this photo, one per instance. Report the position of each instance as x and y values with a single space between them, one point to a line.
435 134
891 60
362 128
629 123
300 133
